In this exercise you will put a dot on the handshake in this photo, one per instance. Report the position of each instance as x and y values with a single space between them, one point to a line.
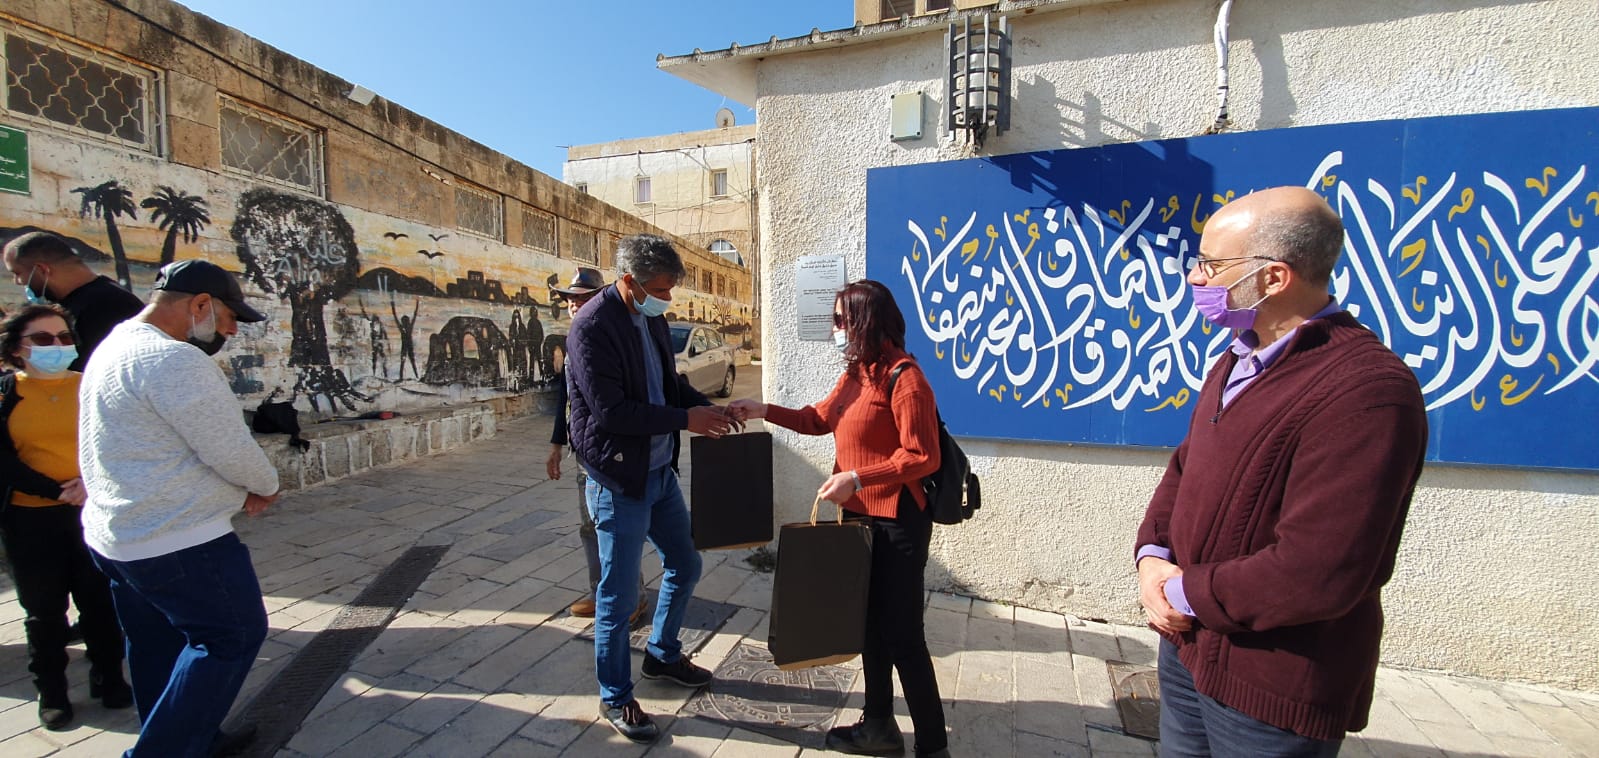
717 421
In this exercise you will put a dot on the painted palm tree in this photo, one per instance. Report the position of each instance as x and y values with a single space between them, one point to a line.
177 213
109 200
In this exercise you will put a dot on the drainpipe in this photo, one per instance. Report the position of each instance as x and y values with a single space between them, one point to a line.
1222 122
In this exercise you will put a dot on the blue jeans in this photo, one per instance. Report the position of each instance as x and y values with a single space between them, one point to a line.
194 621
1193 725
622 524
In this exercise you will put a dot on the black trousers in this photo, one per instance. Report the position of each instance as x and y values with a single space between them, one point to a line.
49 562
895 638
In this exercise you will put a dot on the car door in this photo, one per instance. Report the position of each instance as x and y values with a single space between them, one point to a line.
702 362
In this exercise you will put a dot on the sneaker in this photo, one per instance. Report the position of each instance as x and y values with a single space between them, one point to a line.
584 607
234 742
683 672
879 736
630 721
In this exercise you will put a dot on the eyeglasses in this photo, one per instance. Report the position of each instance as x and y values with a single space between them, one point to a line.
1208 266
46 339
838 320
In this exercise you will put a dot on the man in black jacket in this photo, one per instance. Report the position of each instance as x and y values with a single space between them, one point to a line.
628 406
46 266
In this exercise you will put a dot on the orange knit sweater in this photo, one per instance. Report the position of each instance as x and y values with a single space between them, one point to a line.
887 447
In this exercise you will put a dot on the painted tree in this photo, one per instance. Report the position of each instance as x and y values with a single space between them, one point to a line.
108 201
177 213
302 250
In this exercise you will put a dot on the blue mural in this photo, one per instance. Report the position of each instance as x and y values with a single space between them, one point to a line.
1045 292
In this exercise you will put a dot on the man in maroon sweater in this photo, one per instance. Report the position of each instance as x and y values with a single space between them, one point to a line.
1263 553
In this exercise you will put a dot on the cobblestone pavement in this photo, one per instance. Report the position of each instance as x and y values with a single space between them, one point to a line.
484 660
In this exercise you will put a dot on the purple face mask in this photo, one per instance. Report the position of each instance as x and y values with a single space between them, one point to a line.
1211 302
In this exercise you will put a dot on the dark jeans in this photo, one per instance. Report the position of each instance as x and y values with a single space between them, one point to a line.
195 621
1195 726
895 639
49 562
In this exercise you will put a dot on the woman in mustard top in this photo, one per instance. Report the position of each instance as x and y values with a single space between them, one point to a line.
39 514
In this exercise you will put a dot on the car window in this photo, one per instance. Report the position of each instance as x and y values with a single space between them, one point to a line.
679 339
712 339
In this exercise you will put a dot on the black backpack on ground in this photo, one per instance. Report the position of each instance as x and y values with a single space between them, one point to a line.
953 492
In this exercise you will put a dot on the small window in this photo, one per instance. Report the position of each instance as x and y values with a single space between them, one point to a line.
479 212
719 182
538 230
85 92
583 187
641 190
937 5
707 282
269 147
585 245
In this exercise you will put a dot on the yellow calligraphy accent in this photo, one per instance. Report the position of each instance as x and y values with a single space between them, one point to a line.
1414 305
1175 401
938 351
1222 199
1467 197
1133 318
1032 237
966 357
916 251
1477 404
968 250
1046 402
1516 339
1486 251
942 220
1555 361
1017 394
1172 206
1121 215
1500 279
1021 218
1123 253
993 235
1549 172
998 394
1194 221
1010 298
1328 181
1507 385
1415 194
1415 250
1204 326
932 317
1593 197
1062 394
1576 221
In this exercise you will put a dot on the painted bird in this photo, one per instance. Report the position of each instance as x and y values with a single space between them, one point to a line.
429 253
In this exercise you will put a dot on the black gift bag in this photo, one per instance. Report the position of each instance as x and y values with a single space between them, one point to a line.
819 594
731 491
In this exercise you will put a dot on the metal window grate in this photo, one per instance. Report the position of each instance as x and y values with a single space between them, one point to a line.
538 230
478 212
51 81
269 147
585 245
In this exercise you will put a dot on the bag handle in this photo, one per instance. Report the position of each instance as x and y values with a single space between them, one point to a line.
817 504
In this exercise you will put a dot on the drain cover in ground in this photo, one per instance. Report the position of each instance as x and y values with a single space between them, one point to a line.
1137 691
701 621
751 692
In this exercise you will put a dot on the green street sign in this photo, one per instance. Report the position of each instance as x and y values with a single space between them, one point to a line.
13 160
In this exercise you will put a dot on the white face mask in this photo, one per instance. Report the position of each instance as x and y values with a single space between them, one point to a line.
204 335
840 340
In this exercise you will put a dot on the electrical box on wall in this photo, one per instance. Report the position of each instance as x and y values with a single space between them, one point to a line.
906 123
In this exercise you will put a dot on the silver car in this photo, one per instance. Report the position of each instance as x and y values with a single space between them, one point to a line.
704 358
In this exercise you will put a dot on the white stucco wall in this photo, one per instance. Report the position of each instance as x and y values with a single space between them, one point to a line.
680 187
1492 575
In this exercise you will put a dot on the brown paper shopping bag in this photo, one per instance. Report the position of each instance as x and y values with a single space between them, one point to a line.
730 491
819 593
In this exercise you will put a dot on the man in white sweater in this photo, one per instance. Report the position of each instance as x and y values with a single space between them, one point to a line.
167 461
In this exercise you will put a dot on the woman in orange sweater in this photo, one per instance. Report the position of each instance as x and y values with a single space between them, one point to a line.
884 446
39 514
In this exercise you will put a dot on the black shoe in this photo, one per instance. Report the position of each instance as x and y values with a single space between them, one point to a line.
113 692
683 672
942 752
55 716
630 721
234 742
869 736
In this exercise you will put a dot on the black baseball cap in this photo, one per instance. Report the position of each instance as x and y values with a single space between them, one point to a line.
584 281
196 277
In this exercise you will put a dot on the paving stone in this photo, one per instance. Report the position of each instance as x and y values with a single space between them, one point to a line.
1031 745
521 747
1094 693
741 743
1485 710
1093 639
497 669
478 643
380 741
480 729
1045 703
947 602
437 708
324 734
1419 701
1562 723
1106 742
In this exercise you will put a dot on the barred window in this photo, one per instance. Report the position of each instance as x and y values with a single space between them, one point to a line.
585 244
82 91
538 230
270 147
478 212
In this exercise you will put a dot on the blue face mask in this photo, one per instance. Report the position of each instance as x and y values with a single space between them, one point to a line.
36 298
49 360
652 306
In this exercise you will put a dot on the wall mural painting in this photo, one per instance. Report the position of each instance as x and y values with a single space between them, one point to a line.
1049 297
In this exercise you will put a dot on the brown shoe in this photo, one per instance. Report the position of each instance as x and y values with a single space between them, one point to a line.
584 607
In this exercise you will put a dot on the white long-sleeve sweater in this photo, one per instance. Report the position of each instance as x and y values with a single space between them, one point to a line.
165 455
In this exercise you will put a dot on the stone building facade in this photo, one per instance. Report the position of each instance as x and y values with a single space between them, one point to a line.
402 265
1456 138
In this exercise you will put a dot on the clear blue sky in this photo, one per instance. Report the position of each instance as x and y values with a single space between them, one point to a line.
524 76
